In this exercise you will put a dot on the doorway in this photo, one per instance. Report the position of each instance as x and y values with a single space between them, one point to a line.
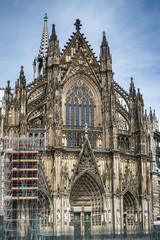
130 221
77 225
87 224
125 224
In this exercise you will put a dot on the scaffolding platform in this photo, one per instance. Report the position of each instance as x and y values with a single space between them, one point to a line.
23 206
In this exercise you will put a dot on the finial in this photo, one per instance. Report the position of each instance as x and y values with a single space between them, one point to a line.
8 83
86 130
104 41
45 17
22 68
78 24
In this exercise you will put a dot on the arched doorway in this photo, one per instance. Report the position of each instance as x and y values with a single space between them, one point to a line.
86 201
40 214
130 213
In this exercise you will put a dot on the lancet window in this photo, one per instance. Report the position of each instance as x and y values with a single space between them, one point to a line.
79 105
76 140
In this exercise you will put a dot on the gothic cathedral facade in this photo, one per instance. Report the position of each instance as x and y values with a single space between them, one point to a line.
98 162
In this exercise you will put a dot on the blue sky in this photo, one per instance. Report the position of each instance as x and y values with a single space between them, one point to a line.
132 29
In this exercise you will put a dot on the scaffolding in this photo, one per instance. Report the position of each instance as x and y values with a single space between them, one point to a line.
1 195
24 206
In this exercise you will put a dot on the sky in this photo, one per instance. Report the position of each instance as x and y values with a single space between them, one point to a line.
132 29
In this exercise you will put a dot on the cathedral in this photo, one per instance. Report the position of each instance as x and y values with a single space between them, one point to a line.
101 168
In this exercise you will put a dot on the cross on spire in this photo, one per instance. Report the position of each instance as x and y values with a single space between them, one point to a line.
45 17
78 24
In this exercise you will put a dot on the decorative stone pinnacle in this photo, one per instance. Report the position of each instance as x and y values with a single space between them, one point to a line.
45 17
86 130
78 24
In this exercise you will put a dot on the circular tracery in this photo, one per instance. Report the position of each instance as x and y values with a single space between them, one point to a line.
80 91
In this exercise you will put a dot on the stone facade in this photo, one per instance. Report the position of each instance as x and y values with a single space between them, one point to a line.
99 165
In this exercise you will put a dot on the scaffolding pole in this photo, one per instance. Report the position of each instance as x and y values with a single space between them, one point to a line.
24 205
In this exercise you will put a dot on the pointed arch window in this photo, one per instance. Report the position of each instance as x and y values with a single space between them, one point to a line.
72 113
90 138
80 105
87 113
68 140
79 140
74 140
94 141
77 114
92 115
82 115
67 113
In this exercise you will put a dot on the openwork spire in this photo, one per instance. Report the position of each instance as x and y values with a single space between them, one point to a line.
45 39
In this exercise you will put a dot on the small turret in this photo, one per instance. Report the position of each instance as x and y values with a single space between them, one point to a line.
105 57
53 49
150 115
132 90
22 78
8 88
8 95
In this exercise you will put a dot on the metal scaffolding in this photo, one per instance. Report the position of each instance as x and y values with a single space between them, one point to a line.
24 204
1 195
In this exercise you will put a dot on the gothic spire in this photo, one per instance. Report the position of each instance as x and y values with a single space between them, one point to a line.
53 35
105 56
132 88
104 41
22 78
45 39
53 49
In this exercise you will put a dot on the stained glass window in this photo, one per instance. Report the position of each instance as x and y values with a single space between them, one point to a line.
77 114
87 113
67 113
92 115
79 105
68 140
72 113
74 140
82 115
94 141
79 140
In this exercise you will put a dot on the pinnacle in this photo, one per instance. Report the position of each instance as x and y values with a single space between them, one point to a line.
53 31
45 39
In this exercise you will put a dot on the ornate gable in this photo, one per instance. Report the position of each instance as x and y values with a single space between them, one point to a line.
80 65
128 181
86 160
87 163
75 44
